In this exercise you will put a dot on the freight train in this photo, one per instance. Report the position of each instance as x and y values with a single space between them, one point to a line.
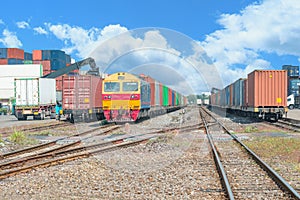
127 97
263 94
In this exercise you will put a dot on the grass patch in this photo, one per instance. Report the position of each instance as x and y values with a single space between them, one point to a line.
18 137
1 140
43 133
251 129
285 149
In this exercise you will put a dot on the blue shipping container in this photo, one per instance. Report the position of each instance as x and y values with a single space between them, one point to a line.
227 96
3 52
291 70
46 54
238 93
27 56
173 98
68 59
14 61
57 64
58 54
294 84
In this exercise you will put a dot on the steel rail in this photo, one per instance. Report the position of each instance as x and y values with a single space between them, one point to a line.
218 162
280 180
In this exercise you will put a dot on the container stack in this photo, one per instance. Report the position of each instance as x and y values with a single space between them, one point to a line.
51 60
11 56
293 79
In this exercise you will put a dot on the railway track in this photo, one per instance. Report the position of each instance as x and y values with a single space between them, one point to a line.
53 146
69 152
289 124
243 174
36 127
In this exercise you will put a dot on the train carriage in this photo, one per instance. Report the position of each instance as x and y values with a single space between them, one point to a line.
262 95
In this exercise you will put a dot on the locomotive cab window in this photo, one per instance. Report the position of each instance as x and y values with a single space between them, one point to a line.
111 87
130 86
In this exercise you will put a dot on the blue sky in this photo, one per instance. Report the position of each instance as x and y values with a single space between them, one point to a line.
238 36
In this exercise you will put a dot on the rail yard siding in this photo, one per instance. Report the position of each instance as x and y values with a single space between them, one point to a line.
267 88
81 92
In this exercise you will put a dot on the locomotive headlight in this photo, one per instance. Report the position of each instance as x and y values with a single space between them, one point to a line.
132 96
109 97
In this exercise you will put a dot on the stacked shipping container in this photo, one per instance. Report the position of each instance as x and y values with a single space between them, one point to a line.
293 79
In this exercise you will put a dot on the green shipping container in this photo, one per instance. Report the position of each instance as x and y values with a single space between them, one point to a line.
28 61
165 95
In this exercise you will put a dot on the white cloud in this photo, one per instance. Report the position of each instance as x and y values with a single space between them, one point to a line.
22 24
1 21
270 26
40 30
10 39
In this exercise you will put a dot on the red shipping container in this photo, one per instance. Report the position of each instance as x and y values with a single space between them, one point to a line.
81 92
267 88
231 95
170 96
59 83
45 72
37 55
15 53
3 61
46 64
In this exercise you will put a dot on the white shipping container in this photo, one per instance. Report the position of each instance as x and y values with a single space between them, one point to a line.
8 73
24 71
35 91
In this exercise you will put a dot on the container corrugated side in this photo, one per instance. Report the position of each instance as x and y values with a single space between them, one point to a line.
27 92
3 61
15 53
169 96
165 95
14 61
161 101
267 88
35 91
81 92
238 93
27 56
157 93
37 55
47 91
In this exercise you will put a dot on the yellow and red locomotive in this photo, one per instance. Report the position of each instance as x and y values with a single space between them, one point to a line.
127 97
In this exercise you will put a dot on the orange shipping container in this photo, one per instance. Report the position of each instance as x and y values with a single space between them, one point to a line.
3 61
37 55
15 53
267 88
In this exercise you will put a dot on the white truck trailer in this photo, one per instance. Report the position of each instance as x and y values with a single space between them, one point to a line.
35 97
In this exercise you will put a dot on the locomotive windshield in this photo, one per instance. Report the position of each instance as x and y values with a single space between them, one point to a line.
111 87
130 86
